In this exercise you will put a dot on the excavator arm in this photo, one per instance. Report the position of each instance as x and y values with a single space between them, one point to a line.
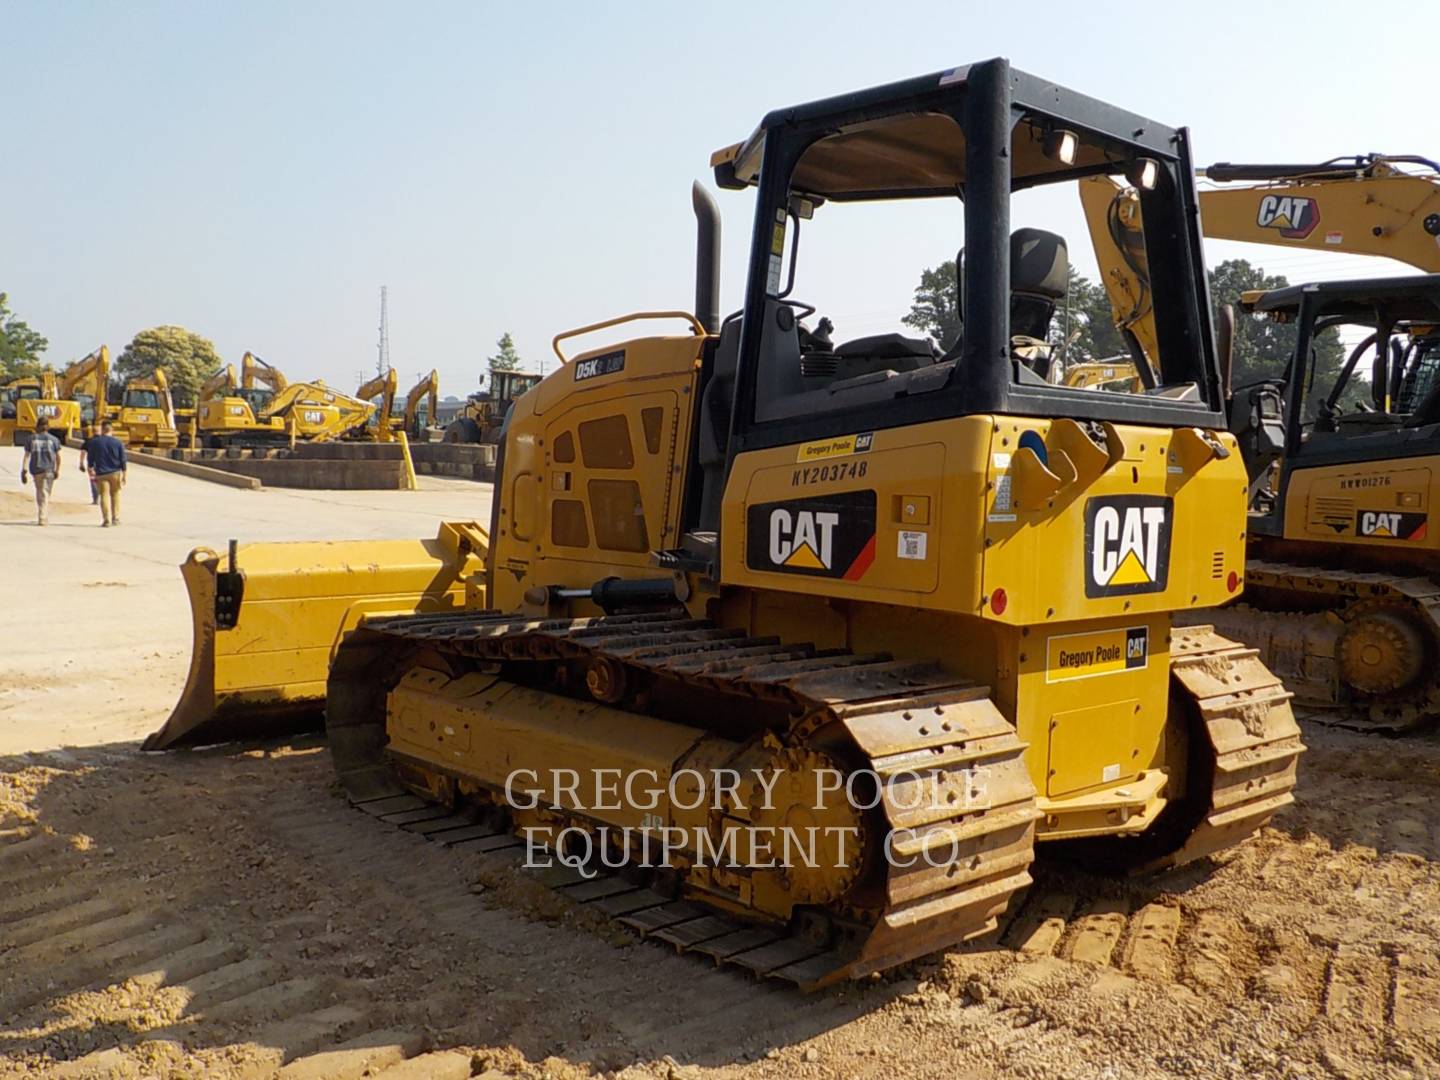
89 375
1359 206
316 412
253 370
384 387
427 390
218 385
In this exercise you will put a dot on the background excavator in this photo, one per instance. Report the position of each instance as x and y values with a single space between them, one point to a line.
384 387
1366 205
266 409
87 382
421 404
226 410
940 579
1337 604
387 420
24 401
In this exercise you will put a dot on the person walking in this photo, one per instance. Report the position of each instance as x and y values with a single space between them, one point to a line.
42 460
91 434
107 470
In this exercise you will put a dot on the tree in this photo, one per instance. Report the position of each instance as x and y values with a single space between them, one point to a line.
187 358
1264 347
507 359
20 345
936 310
1089 313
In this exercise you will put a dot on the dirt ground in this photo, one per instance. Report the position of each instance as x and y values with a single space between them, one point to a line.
221 913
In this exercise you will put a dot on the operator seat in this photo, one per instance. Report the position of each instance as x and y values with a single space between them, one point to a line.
1039 280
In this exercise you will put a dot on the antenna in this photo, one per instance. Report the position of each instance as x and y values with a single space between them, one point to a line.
382 361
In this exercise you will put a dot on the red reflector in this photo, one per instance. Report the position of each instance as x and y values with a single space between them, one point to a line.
998 601
1233 581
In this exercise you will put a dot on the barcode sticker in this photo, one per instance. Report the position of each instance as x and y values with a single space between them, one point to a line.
911 545
1002 495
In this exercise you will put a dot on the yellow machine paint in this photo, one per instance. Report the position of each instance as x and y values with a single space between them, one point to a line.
313 411
699 562
1113 374
384 387
1368 205
25 401
479 419
262 645
1380 503
87 382
146 415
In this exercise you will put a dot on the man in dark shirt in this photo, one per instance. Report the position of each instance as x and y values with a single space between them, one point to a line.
107 468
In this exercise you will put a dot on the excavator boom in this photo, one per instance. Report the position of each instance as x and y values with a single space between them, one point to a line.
426 390
1361 206
384 387
316 412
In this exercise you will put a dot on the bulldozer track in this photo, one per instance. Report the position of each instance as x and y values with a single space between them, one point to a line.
1244 711
901 717
1303 646
1251 733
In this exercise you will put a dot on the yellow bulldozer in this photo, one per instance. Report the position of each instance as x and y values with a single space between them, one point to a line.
146 413
26 400
798 653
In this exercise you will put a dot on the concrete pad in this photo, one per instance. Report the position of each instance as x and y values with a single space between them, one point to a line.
96 622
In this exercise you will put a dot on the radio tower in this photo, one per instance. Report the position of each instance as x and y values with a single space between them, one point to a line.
382 361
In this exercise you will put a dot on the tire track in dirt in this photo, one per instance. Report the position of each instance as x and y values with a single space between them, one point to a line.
246 920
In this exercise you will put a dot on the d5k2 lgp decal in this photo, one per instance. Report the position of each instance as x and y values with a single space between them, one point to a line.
1127 544
825 536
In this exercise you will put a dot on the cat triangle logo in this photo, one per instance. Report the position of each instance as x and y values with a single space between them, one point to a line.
804 557
1127 538
1131 571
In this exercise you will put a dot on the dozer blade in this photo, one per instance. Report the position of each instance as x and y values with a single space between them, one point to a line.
264 636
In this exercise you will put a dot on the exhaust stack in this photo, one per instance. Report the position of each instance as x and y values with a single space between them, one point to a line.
707 258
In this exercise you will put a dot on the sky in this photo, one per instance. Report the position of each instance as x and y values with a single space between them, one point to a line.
257 172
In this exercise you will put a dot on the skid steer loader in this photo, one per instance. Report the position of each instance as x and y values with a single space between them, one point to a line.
744 586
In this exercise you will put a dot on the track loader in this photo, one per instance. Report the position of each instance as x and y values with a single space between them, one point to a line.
743 586
146 414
